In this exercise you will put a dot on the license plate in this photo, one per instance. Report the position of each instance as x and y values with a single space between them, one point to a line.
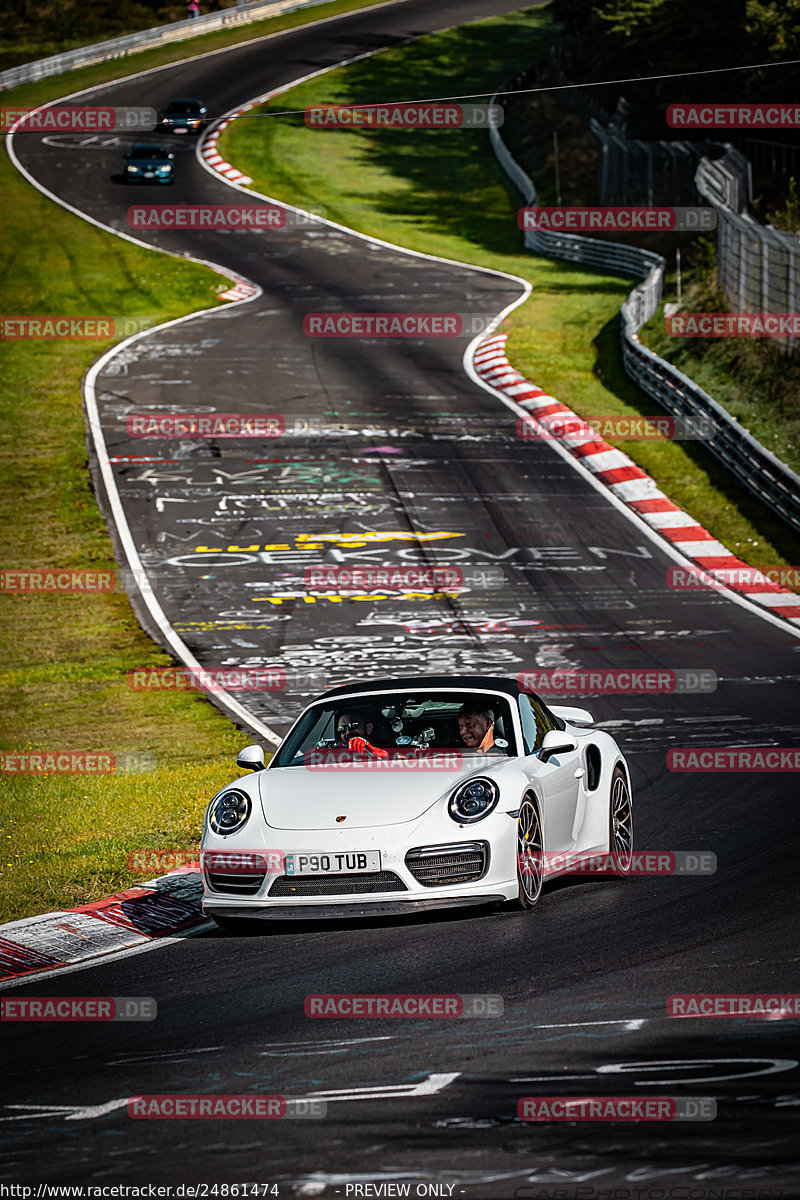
149 174
350 863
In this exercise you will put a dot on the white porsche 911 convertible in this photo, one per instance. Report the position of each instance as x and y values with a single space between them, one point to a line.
401 795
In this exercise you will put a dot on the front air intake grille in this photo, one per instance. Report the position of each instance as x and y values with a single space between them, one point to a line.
295 886
441 866
235 883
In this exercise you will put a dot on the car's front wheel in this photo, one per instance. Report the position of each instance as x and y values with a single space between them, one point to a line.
620 823
530 854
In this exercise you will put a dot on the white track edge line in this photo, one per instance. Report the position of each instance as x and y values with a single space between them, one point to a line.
467 364
101 957
634 517
157 614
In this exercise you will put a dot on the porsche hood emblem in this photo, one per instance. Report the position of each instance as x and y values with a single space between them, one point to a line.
340 819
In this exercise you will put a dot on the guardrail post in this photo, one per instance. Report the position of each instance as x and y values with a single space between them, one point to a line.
751 463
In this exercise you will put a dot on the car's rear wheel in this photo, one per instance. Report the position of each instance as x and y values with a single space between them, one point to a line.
620 823
530 855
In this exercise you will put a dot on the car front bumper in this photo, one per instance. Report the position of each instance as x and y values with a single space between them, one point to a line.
343 909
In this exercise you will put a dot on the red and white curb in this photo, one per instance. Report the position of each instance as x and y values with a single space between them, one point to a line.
241 290
627 482
213 157
154 909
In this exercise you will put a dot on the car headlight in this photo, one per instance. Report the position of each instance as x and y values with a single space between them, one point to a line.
229 811
162 170
133 170
473 800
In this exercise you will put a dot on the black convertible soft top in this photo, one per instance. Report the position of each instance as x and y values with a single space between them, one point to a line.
495 683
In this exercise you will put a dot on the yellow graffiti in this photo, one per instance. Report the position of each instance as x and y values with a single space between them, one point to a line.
363 539
316 541
335 598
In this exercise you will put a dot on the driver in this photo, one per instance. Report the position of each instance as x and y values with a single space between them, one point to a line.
476 727
354 730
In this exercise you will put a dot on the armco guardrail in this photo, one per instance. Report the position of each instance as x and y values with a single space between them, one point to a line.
758 267
752 464
160 35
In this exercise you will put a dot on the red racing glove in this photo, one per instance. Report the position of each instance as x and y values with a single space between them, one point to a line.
361 746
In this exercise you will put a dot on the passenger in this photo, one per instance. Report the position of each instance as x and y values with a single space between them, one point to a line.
476 727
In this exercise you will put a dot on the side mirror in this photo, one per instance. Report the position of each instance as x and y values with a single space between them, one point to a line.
251 758
578 716
170 157
556 742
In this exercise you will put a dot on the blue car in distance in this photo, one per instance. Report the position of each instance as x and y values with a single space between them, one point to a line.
183 116
148 162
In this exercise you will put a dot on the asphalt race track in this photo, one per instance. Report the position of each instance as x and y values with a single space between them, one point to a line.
430 461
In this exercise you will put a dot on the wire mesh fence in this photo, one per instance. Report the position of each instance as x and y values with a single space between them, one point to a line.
761 472
757 265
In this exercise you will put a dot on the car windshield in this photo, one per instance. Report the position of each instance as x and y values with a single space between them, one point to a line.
148 152
405 724
179 107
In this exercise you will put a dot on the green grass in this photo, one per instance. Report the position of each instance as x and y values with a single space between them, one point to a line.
144 60
752 378
65 657
757 383
443 193
65 839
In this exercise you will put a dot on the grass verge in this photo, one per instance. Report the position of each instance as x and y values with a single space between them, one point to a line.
757 383
65 657
443 193
65 840
145 60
